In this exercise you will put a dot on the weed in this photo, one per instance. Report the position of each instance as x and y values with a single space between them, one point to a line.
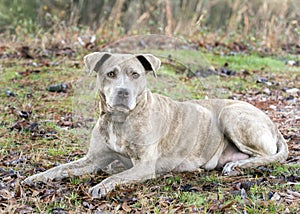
73 198
75 180
189 198
55 152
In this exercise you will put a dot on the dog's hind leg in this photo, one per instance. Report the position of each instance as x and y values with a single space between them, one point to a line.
253 134
255 161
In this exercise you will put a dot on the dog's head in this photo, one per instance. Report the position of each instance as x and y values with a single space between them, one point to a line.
121 77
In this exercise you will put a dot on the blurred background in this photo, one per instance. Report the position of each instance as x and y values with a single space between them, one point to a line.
270 23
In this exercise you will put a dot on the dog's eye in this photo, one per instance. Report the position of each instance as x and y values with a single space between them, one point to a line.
135 75
111 74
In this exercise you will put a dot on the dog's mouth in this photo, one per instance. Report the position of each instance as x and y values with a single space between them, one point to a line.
119 108
119 112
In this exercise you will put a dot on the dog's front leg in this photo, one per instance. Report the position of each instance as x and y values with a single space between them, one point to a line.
79 167
98 157
82 166
139 172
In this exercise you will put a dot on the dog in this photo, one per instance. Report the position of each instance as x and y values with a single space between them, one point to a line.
151 134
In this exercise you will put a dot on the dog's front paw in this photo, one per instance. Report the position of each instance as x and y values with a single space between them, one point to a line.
98 191
35 178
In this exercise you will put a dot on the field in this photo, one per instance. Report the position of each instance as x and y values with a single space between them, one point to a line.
48 106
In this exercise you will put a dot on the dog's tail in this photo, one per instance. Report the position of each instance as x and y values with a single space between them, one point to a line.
280 156
282 149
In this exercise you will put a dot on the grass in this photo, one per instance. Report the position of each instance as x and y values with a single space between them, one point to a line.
248 68
250 62
56 141
237 62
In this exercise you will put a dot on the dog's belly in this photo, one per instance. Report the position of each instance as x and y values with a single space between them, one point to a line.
188 166
231 154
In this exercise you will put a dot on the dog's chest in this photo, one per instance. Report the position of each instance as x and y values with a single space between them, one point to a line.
115 140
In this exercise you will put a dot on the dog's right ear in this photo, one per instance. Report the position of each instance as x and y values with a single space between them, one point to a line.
93 61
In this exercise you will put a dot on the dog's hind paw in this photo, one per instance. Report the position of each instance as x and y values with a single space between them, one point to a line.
230 169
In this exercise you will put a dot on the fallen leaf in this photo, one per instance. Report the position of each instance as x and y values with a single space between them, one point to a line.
275 197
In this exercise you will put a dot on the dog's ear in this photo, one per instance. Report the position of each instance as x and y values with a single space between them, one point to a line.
93 61
149 62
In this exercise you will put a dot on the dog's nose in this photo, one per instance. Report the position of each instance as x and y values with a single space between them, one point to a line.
123 93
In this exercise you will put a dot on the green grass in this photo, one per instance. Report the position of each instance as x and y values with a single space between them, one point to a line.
215 86
247 62
238 62
192 199
55 152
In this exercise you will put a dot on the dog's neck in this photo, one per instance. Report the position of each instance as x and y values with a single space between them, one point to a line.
118 116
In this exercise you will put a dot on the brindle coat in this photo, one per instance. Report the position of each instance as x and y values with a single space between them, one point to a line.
153 134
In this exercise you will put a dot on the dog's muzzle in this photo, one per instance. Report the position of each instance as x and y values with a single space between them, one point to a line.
121 101
123 93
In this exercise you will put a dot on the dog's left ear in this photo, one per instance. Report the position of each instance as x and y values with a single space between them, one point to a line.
149 62
93 61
